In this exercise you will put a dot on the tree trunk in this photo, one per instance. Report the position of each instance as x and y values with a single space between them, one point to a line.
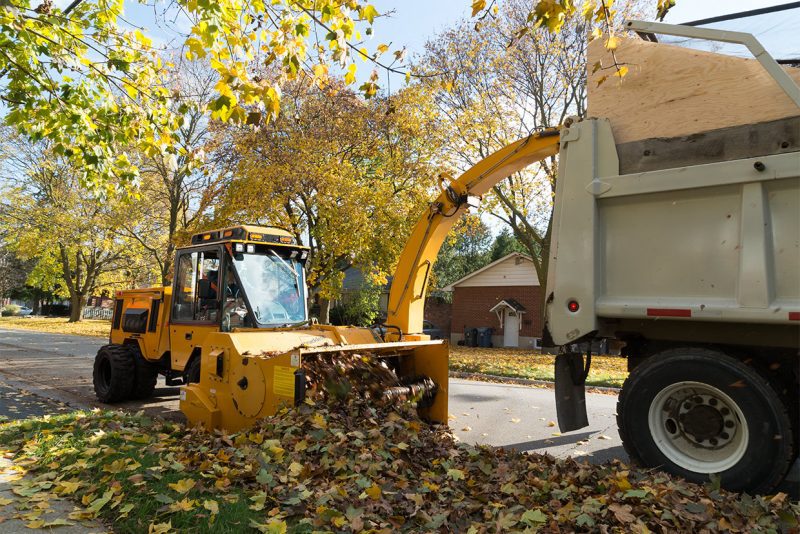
324 311
77 302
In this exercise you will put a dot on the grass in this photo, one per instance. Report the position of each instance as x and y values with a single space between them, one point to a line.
131 459
529 364
58 325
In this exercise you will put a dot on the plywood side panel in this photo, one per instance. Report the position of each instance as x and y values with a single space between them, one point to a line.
671 91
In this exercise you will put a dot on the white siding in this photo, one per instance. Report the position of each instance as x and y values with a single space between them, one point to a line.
515 271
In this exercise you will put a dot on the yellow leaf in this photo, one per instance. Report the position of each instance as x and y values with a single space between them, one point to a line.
382 48
350 77
374 492
588 9
184 505
320 71
338 521
183 486
295 468
5 502
319 421
621 71
160 528
211 506
478 6
611 43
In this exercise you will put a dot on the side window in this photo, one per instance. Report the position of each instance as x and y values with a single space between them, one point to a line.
197 293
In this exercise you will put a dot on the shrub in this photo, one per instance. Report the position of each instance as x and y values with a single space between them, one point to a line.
9 310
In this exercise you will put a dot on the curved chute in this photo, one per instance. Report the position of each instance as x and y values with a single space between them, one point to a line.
409 286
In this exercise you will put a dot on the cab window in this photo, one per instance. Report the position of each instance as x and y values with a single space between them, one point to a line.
197 287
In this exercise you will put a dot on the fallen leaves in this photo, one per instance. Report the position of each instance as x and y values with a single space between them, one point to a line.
531 365
184 485
347 461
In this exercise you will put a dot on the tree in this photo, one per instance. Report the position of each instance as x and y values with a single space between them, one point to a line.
58 223
87 81
465 250
504 244
346 176
82 79
171 187
13 271
500 84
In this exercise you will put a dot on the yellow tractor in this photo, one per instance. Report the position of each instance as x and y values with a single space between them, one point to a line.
234 328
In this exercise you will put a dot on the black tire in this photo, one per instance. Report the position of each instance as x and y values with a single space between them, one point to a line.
114 373
146 376
191 375
696 421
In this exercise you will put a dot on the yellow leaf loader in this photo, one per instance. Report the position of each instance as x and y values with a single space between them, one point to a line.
234 328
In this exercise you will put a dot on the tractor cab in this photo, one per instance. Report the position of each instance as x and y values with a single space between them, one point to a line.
241 277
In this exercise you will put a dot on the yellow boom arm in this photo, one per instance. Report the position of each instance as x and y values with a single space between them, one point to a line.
407 295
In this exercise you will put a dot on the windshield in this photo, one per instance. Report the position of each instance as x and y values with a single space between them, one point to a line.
275 286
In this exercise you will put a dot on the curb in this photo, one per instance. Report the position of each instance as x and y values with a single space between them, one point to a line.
524 381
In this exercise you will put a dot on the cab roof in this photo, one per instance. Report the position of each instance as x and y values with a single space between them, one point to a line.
247 233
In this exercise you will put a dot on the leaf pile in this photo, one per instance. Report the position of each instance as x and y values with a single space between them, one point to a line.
348 461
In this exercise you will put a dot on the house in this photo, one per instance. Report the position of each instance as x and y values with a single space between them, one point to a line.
505 296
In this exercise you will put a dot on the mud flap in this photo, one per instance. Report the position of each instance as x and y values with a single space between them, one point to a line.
571 391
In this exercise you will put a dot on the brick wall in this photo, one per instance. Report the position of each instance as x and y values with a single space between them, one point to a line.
471 307
439 313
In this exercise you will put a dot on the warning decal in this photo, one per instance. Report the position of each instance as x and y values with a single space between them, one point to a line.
283 381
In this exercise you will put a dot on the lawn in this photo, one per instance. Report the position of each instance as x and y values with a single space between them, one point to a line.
58 325
532 365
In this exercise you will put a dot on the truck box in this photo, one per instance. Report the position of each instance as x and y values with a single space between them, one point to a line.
683 245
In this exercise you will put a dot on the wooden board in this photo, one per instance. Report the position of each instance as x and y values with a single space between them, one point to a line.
671 91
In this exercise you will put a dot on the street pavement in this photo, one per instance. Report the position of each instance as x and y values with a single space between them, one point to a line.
60 367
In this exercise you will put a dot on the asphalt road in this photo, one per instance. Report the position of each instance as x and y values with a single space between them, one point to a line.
60 367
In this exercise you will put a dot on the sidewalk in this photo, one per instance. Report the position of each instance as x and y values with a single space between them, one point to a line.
27 503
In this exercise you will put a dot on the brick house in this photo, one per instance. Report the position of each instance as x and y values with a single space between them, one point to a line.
504 295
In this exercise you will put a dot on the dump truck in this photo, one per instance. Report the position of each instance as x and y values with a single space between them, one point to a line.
676 236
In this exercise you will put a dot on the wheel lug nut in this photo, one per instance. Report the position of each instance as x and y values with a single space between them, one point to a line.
724 435
712 402
728 424
713 441
724 411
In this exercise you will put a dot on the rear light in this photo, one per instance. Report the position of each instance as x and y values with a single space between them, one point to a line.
573 306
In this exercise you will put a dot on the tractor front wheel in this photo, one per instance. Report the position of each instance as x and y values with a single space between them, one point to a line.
114 373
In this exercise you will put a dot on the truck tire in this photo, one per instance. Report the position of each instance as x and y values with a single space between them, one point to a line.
114 373
146 376
695 412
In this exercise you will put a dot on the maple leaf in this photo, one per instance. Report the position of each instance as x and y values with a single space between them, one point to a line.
159 528
183 486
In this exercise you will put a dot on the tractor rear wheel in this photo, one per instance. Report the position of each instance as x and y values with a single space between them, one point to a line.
114 373
146 376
